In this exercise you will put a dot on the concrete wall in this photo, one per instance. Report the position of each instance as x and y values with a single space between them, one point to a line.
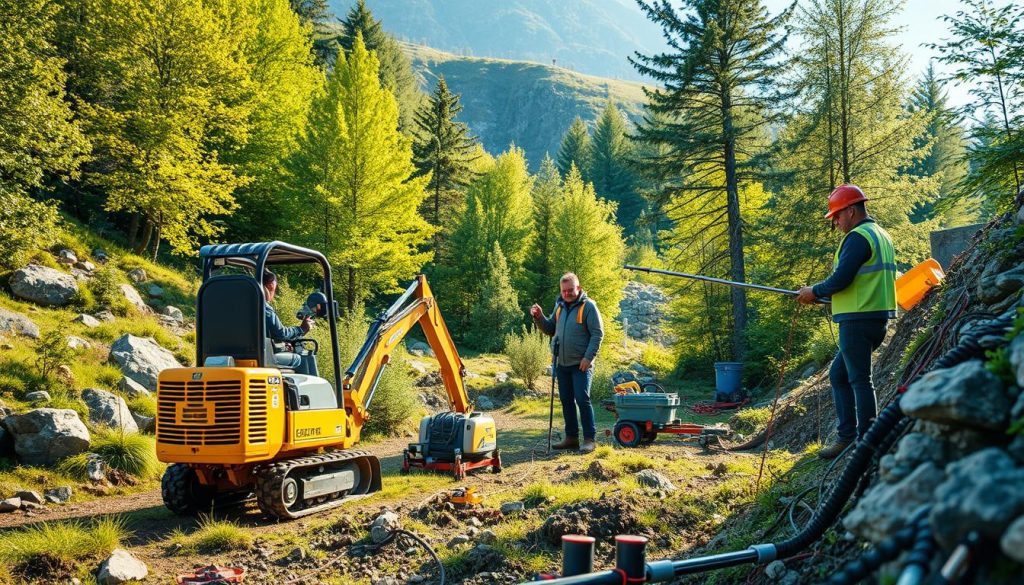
948 243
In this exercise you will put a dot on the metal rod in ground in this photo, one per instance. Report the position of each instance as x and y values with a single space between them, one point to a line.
773 289
551 409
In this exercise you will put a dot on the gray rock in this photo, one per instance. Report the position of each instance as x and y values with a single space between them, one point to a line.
96 468
1012 541
964 395
487 536
1016 449
46 435
17 324
87 320
457 540
67 257
121 567
916 448
155 291
417 366
44 286
76 343
383 526
132 296
420 348
10 505
653 479
30 497
38 396
105 316
132 388
86 266
146 424
174 313
775 570
137 275
100 255
501 377
981 492
992 289
886 507
141 359
509 508
484 403
1016 351
59 495
109 409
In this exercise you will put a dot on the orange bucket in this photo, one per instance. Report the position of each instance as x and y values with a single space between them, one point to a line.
916 282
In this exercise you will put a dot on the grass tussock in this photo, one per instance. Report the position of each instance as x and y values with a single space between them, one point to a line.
132 453
750 420
61 546
558 495
212 536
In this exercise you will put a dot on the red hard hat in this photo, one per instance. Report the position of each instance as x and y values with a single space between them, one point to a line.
842 197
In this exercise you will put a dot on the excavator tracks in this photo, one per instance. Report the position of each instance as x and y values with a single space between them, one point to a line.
306 485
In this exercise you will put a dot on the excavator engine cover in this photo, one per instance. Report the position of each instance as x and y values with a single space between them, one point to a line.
444 434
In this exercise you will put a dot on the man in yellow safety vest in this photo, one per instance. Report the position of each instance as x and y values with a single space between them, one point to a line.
863 291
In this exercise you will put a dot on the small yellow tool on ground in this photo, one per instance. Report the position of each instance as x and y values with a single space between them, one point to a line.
467 496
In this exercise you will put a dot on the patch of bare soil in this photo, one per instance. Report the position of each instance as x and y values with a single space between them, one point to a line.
603 518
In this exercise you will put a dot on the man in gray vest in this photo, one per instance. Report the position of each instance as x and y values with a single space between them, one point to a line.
577 331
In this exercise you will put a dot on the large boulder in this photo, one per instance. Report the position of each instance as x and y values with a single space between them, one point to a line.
134 298
981 493
46 435
967 395
109 409
132 388
886 507
141 359
17 324
121 567
44 286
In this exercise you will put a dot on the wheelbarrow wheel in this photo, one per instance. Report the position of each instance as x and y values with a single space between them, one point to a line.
627 434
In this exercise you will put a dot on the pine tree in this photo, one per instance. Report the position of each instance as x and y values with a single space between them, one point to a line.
498 210
987 48
547 189
396 74
613 179
444 149
942 144
497 312
575 149
719 93
313 13
352 175
585 239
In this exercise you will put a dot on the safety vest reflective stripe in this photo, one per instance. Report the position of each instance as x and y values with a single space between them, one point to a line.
579 314
874 287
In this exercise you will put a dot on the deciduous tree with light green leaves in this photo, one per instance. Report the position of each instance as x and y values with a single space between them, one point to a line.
352 176
585 239
163 86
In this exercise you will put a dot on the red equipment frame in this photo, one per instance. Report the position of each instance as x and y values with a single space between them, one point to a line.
457 468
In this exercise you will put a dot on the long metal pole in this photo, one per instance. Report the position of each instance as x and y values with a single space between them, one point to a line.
783 291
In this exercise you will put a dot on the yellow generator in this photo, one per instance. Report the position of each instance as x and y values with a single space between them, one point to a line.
255 417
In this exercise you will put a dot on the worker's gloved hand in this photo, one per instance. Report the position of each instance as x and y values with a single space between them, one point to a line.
806 295
536 312
306 325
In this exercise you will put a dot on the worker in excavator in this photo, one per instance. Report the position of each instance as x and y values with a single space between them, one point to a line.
276 330
863 291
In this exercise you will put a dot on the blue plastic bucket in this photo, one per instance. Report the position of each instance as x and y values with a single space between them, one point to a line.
728 378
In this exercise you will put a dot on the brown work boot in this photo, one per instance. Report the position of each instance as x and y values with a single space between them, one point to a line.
588 446
567 443
833 450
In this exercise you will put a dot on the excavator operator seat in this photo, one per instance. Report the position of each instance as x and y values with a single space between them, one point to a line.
230 319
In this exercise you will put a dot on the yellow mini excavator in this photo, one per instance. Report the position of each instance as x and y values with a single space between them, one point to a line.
251 418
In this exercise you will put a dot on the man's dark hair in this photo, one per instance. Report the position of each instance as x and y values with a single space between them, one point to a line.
859 206
268 277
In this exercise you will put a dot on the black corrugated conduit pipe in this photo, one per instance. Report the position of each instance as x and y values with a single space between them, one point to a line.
869 446
885 551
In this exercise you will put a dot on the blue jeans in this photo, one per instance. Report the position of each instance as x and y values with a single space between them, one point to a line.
573 391
850 375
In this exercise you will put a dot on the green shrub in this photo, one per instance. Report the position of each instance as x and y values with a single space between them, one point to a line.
658 359
750 420
601 385
132 453
528 354
107 292
144 405
76 467
52 351
25 227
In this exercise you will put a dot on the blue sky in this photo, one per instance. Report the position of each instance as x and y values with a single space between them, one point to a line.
920 22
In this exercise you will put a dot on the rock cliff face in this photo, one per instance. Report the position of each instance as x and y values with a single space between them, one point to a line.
642 312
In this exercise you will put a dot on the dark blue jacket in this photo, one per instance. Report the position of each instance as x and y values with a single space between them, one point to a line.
276 329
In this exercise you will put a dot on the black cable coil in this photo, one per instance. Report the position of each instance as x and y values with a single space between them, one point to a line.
885 551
